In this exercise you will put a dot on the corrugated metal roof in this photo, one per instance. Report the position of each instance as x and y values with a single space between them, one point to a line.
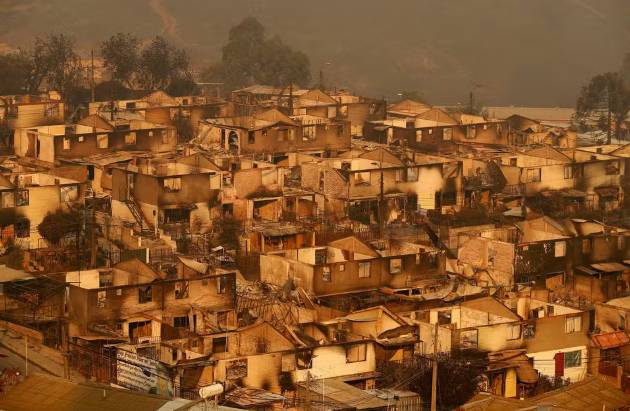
591 394
346 394
609 267
586 270
40 391
611 340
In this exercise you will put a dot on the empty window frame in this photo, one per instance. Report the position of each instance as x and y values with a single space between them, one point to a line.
130 138
145 294
513 331
447 134
356 353
102 141
219 345
181 322
309 132
364 270
568 172
69 193
181 290
173 184
395 266
533 175
572 324
560 248
326 276
412 174
222 284
362 178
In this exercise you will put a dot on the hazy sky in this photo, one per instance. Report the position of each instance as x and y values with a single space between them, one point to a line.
522 52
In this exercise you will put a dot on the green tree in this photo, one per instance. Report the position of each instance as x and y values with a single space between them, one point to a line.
161 64
14 72
458 377
243 54
59 224
625 68
283 65
605 100
183 86
60 62
112 90
121 55
250 57
227 232
23 71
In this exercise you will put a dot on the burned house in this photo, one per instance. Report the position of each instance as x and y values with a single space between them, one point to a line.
29 197
350 265
582 180
22 111
90 136
435 131
534 250
167 194
274 134
134 302
337 105
261 192
528 132
183 112
376 184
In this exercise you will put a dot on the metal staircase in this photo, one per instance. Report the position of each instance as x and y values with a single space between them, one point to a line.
145 226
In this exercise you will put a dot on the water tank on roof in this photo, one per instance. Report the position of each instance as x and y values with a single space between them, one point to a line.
210 391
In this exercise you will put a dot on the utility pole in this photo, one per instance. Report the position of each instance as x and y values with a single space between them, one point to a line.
93 240
92 78
434 375
381 200
26 355
308 391
291 99
609 119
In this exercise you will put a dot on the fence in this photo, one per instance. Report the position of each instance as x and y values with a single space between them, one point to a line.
93 364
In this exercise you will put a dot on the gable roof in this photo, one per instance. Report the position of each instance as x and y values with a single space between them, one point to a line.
201 268
317 96
521 123
492 306
623 151
354 245
379 154
142 270
541 229
160 98
275 116
96 121
408 106
373 314
437 115
549 153
200 160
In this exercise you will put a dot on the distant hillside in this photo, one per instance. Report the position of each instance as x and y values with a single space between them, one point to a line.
535 52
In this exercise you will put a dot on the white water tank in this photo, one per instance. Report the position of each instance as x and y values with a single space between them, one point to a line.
210 391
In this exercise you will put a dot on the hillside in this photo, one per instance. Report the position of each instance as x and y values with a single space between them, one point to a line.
535 52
